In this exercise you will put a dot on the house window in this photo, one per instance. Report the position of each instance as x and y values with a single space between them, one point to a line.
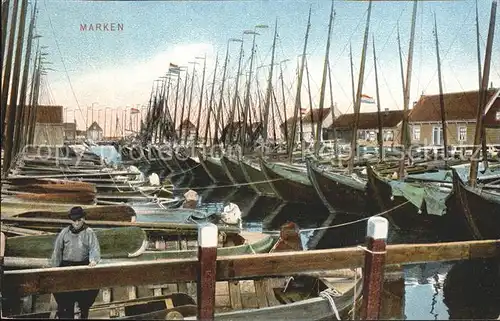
437 135
416 133
497 116
462 134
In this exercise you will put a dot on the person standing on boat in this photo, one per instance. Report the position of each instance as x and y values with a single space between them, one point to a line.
76 244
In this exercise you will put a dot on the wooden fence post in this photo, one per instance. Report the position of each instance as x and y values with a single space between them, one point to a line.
207 257
375 253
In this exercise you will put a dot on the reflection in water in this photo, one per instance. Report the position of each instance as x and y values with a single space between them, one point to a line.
472 290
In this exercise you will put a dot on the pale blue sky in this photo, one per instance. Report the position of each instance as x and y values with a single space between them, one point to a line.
117 68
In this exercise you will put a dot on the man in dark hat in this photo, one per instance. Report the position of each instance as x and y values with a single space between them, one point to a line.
76 244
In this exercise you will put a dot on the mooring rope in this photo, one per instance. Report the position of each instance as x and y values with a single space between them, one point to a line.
231 185
329 294
356 221
277 232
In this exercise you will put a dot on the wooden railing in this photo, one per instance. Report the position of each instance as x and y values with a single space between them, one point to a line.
207 269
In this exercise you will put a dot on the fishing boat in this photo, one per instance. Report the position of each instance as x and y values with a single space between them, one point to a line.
214 166
256 178
408 206
115 243
474 213
338 191
233 170
290 183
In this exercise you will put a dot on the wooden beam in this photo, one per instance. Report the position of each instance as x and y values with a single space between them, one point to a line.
25 282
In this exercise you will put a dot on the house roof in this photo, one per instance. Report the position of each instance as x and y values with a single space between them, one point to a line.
95 126
390 118
316 113
457 106
187 125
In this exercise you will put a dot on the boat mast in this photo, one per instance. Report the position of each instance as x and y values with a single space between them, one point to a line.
34 102
357 105
246 111
269 90
332 107
379 114
310 99
284 103
207 125
298 96
441 97
19 139
323 85
8 68
406 100
176 100
14 110
235 100
181 120
189 104
201 101
482 92
483 133
5 21
221 97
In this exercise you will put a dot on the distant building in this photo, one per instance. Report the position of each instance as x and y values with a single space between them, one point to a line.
460 114
94 132
310 121
69 131
49 127
368 127
188 129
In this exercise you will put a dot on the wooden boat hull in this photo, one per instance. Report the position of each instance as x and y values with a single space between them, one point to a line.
251 243
233 170
60 211
339 192
399 211
290 187
257 179
215 167
114 243
119 309
472 213
62 198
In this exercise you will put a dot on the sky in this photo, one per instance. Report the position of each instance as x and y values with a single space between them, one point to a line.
114 70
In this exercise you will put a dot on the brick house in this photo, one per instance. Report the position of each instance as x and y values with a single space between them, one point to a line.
460 114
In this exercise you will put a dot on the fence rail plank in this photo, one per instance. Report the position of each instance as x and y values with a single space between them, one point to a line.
25 282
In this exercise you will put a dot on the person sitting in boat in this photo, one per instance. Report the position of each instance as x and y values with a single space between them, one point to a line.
76 244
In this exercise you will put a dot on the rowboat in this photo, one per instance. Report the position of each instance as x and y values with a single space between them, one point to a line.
169 304
11 207
114 243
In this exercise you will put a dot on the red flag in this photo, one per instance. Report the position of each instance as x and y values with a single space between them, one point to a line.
134 111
